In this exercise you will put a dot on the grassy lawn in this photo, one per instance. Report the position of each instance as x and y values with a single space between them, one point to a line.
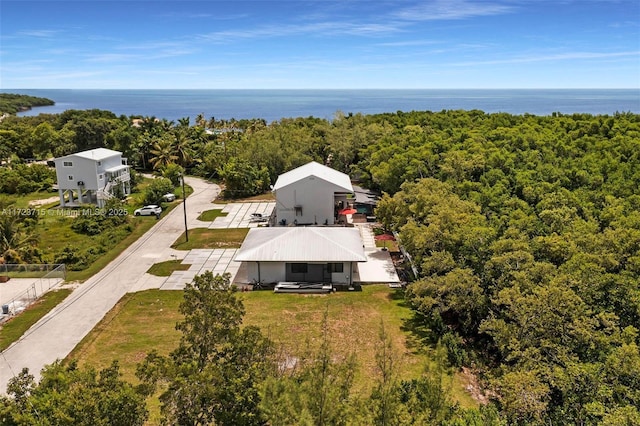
140 225
267 196
24 200
164 269
144 321
15 327
54 233
210 215
202 238
389 245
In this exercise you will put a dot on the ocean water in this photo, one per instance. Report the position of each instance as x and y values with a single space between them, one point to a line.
274 105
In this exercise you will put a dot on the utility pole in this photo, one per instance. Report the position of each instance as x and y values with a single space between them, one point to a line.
184 206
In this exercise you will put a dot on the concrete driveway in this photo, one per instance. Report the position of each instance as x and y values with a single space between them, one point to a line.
56 334
379 267
218 261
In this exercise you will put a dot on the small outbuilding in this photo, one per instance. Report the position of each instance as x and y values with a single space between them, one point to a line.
302 254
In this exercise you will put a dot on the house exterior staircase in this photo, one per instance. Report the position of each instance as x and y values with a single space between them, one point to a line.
105 193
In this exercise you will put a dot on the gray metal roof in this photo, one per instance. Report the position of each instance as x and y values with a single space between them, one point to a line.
365 196
314 169
302 244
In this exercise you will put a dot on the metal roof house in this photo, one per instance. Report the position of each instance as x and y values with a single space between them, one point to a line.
95 176
302 254
311 195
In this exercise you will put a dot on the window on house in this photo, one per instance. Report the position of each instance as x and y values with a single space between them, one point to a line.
100 177
99 163
299 268
70 177
67 163
298 209
335 267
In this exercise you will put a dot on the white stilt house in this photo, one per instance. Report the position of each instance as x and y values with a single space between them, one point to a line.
94 176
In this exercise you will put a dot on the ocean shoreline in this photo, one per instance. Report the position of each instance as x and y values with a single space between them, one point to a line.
274 104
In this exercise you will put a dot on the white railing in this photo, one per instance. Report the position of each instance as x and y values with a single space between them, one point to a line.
122 177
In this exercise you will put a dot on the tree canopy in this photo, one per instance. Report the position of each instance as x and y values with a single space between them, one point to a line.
524 230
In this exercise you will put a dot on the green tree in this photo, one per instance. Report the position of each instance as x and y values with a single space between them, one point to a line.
241 179
213 375
156 189
328 384
17 239
173 172
316 390
67 395
182 146
384 401
163 153
456 296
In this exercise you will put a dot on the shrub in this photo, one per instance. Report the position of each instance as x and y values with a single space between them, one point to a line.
69 255
456 354
173 172
156 189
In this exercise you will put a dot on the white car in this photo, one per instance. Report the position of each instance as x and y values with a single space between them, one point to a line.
148 210
169 197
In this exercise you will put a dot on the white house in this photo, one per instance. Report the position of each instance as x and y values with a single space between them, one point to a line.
311 195
302 254
94 175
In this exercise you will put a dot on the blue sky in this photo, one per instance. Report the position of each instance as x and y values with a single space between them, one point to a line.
349 44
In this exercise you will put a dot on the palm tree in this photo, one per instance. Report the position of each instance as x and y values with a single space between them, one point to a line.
182 147
13 238
201 121
166 125
183 122
163 154
149 125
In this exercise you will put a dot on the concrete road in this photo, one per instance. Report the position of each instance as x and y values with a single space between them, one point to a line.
56 334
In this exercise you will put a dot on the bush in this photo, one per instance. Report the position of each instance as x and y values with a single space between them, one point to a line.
156 189
87 224
173 172
456 354
241 179
94 221
69 255
22 179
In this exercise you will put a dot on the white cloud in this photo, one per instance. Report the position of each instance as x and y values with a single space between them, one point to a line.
38 33
569 56
451 10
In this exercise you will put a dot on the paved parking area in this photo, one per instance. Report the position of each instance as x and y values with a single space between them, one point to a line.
239 215
379 266
217 261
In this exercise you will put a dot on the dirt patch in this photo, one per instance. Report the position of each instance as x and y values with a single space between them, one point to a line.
42 202
472 385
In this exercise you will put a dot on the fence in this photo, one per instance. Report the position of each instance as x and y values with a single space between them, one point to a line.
30 282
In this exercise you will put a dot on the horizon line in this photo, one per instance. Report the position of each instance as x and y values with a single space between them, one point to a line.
319 89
